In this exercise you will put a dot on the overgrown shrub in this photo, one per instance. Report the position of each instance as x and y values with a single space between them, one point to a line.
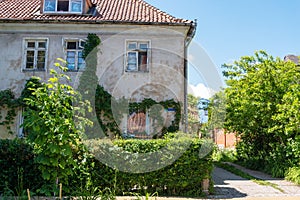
183 177
56 119
293 174
224 155
18 170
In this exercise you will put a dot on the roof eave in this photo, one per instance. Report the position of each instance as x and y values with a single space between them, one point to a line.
189 23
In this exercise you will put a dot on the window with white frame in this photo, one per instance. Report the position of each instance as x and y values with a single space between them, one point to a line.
69 6
137 56
35 54
73 50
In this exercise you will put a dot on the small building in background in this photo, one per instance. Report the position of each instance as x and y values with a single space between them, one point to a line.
203 110
292 58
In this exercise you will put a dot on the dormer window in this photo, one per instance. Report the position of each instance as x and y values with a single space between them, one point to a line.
68 6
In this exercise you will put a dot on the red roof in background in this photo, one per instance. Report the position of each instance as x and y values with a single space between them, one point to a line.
131 11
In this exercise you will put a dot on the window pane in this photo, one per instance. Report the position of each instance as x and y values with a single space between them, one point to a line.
42 45
41 60
30 56
63 5
132 46
76 5
131 61
71 45
131 58
41 55
71 54
81 63
79 54
144 46
71 60
30 44
80 59
30 60
29 65
71 66
50 5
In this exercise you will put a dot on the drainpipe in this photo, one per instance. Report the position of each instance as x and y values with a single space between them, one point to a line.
188 39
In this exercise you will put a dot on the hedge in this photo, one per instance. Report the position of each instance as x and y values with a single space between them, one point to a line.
181 174
18 170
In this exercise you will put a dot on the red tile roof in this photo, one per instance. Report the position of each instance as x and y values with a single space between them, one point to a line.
118 11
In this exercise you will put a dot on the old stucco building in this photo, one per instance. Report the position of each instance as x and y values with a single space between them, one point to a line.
142 54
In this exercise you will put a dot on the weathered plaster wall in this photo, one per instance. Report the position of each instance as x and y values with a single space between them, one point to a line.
163 81
166 60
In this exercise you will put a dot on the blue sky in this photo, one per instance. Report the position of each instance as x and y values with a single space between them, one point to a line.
229 29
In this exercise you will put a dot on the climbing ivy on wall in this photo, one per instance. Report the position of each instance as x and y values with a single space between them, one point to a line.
104 113
103 108
109 122
8 103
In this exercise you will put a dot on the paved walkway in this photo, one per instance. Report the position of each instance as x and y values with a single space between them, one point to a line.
231 186
228 186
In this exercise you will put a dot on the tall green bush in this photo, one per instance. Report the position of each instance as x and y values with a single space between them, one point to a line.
18 169
263 109
56 119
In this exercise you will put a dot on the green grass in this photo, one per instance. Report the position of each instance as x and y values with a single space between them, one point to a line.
293 174
245 175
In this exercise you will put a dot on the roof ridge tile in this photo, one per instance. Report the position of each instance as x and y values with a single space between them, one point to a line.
135 11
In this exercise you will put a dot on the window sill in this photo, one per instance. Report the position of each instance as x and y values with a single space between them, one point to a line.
75 70
33 70
128 71
61 13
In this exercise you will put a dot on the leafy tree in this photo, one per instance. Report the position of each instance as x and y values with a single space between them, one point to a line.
263 109
30 85
217 111
193 108
193 114
56 119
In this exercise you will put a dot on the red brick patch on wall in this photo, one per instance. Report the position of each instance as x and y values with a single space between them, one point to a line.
224 140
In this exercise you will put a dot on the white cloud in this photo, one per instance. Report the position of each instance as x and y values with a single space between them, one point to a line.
201 90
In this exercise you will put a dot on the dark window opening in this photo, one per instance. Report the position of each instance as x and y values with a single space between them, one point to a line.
71 45
63 6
